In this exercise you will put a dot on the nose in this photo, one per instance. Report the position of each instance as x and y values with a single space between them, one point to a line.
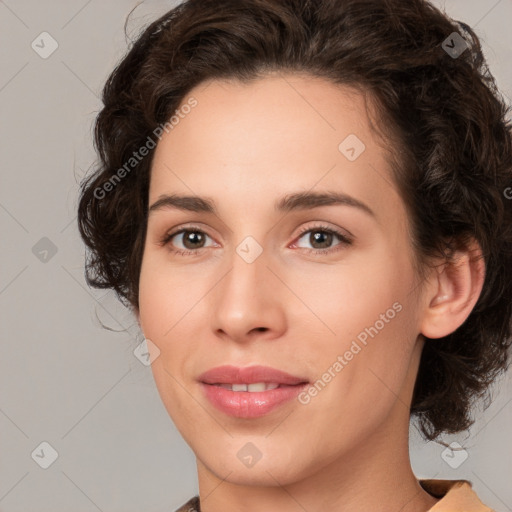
249 301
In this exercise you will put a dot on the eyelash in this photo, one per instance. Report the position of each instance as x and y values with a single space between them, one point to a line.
344 240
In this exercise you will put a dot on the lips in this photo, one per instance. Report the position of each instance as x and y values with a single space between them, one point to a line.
249 392
249 375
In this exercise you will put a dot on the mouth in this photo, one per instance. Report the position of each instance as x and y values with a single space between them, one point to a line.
249 392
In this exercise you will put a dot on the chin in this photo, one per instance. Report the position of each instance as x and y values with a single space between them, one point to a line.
256 458
261 474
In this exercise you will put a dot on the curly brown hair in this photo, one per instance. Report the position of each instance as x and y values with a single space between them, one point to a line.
445 121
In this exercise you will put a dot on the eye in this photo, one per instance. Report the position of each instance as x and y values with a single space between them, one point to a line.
322 238
188 241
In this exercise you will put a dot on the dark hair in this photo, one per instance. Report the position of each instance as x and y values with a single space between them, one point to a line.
448 135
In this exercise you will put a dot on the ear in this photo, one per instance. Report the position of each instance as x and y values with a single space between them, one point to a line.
453 291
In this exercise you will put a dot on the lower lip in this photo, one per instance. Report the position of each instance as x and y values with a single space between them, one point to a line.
246 404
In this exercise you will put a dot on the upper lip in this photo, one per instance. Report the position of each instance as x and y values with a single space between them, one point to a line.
248 375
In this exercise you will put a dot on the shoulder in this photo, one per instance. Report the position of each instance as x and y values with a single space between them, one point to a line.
454 496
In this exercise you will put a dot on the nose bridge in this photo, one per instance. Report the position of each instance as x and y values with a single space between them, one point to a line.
248 276
245 299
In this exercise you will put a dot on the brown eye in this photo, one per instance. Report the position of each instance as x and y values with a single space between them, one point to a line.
321 239
193 239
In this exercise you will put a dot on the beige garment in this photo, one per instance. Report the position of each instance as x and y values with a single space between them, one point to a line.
456 496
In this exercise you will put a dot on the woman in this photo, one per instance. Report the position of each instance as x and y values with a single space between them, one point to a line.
305 205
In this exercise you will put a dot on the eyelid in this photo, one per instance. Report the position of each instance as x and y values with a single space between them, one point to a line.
170 234
324 226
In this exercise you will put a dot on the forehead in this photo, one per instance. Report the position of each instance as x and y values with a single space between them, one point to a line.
279 131
274 110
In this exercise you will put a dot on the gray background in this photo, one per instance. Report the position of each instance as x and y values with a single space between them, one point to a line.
64 379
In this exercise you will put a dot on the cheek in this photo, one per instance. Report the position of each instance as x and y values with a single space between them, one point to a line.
351 295
161 305
165 298
155 302
172 305
362 358
166 295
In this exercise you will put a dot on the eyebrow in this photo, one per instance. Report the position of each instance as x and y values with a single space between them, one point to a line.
288 203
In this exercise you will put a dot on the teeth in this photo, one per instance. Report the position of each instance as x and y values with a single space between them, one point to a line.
256 387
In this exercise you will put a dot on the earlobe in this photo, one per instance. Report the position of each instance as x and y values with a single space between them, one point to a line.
453 293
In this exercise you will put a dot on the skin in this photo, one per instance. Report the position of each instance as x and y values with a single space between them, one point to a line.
245 146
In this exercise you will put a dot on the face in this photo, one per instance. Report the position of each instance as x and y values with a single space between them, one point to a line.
267 271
